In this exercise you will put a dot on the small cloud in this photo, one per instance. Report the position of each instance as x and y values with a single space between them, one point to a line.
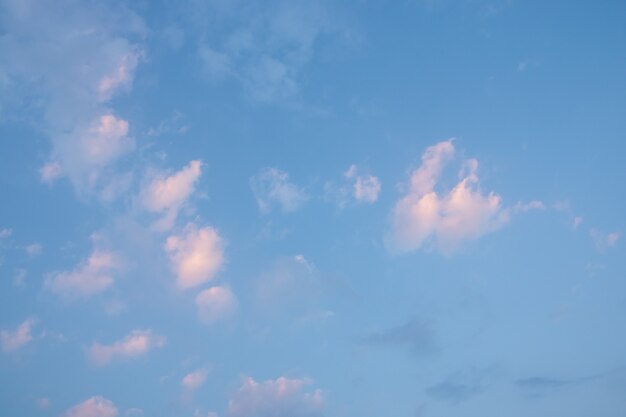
33 249
50 172
195 255
120 77
194 380
137 343
12 340
461 386
19 278
167 194
603 241
417 335
215 304
4 233
355 188
90 277
526 207
43 403
134 412
272 188
93 407
282 397
446 220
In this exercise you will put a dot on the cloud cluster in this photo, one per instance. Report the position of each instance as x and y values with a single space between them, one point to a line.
18 338
96 406
73 58
137 343
196 254
167 194
91 277
426 216
282 397
272 188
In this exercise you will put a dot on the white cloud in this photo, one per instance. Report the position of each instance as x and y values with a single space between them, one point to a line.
215 303
93 407
424 216
272 188
18 338
137 343
282 397
195 255
50 172
603 241
367 188
91 277
194 380
167 194
4 233
354 188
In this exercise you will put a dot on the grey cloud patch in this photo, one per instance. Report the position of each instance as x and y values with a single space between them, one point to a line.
417 335
461 386
540 386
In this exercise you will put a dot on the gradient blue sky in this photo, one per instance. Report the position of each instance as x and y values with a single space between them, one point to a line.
312 208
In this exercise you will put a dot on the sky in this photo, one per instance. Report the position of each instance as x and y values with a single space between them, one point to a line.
293 208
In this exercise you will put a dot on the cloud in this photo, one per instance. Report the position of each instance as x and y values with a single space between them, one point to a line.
272 188
195 255
18 338
194 380
4 233
282 397
93 407
167 194
91 277
423 216
215 303
68 60
267 54
603 241
33 249
137 343
540 386
355 188
461 386
417 335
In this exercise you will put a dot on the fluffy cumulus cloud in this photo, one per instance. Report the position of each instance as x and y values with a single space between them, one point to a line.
444 219
196 254
282 397
137 343
215 303
167 194
272 189
91 277
194 380
96 406
12 340
72 58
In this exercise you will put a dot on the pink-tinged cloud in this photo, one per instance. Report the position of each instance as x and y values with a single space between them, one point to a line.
12 340
282 397
91 277
137 343
120 77
196 254
444 220
93 407
215 304
194 380
167 194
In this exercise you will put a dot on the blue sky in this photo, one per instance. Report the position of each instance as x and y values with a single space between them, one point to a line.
290 208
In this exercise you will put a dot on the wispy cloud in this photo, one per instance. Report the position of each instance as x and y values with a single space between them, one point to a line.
272 189
356 188
12 340
92 276
417 335
137 343
445 220
215 304
602 240
282 397
196 254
